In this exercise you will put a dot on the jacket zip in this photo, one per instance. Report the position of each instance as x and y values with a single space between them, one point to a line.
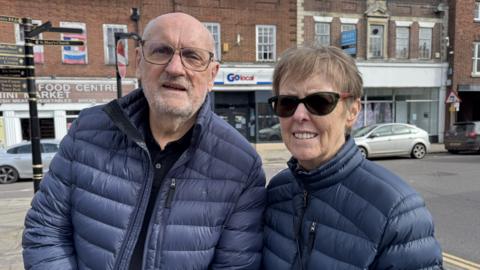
299 241
129 233
171 191
311 236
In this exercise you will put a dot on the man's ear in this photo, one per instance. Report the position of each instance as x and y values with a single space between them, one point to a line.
353 111
138 58
213 73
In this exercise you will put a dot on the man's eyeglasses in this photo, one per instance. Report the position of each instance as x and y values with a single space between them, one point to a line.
158 53
320 103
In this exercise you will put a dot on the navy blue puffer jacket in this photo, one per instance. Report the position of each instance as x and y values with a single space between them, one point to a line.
88 211
347 214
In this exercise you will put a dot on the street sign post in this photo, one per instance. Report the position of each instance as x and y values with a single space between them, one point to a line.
123 66
17 74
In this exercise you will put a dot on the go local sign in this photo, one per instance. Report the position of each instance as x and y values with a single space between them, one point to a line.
239 78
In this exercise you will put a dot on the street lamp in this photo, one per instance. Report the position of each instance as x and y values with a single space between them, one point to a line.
119 36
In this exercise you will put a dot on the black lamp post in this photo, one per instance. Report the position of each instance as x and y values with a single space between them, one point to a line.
119 36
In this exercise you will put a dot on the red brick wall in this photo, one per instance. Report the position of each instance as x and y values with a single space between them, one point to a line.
234 17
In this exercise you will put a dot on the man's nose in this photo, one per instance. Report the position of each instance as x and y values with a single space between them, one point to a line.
175 66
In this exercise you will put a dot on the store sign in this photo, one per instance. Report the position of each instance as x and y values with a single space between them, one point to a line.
239 78
58 92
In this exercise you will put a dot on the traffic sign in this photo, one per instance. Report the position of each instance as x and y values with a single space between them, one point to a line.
6 48
13 84
121 58
12 60
13 72
10 19
58 42
452 98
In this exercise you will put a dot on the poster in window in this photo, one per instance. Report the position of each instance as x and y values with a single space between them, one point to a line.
75 54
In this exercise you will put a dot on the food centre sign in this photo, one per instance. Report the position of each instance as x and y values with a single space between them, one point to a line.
68 92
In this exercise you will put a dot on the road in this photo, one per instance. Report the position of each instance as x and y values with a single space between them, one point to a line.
450 185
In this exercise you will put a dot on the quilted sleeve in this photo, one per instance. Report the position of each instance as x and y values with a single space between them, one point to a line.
47 238
408 241
240 245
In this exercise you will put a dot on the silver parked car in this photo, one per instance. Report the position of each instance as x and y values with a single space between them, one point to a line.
16 160
392 139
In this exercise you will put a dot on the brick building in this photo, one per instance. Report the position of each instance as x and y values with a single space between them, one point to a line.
249 37
400 50
464 59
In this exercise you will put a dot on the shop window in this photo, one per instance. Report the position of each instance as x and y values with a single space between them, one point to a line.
109 31
425 43
476 59
71 116
266 42
402 41
47 128
322 33
214 28
376 41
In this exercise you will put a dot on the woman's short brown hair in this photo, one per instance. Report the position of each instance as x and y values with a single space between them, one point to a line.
335 66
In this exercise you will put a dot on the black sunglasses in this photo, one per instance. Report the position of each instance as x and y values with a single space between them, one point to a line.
320 103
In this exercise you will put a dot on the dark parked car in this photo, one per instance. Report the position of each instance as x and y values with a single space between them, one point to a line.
463 136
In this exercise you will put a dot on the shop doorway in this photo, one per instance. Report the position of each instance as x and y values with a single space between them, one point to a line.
237 108
47 128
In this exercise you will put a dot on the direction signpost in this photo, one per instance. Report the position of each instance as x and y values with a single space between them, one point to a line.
17 74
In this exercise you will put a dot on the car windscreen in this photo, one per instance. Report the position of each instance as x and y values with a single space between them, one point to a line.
462 127
363 131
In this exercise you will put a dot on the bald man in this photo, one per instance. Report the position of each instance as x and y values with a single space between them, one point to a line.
153 180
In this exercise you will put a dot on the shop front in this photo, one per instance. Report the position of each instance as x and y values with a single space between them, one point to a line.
59 103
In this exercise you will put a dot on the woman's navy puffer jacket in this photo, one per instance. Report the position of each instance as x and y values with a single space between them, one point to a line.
347 214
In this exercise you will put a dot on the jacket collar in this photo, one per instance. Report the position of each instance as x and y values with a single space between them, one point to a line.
135 110
334 171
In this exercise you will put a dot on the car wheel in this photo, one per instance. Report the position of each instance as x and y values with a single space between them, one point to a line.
8 175
363 151
453 151
419 151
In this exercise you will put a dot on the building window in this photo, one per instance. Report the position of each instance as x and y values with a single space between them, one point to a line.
214 28
476 59
425 43
76 55
39 57
375 48
109 31
403 37
477 11
322 33
348 27
266 35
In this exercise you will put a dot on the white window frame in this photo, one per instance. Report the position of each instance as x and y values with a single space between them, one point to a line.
372 38
348 27
79 25
262 46
398 42
106 47
476 16
322 33
425 52
20 40
211 26
476 59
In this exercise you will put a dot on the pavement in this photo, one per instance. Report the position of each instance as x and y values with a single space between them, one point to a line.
13 210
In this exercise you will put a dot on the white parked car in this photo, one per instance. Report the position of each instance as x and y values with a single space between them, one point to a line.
392 139
16 160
